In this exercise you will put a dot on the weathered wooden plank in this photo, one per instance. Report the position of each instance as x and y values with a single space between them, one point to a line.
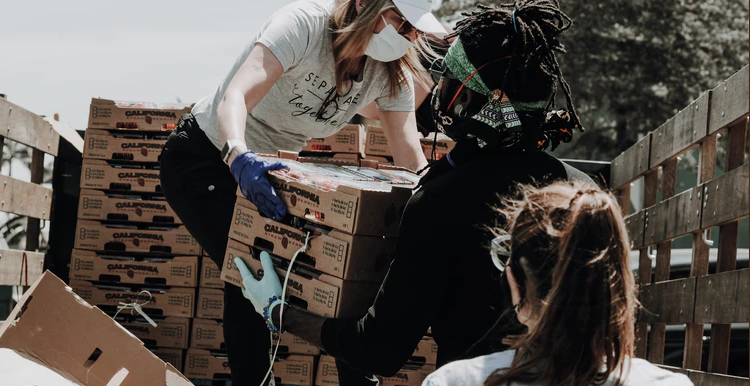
674 217
670 302
20 267
729 101
726 198
33 230
742 309
737 145
718 352
657 338
716 298
632 163
21 125
681 131
635 225
623 198
641 340
25 199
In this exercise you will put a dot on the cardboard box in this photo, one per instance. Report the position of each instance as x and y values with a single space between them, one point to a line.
204 364
60 330
210 274
443 146
111 114
350 139
362 211
346 256
410 375
294 370
334 160
170 332
110 175
426 350
315 292
123 146
388 161
19 369
292 344
328 373
210 304
377 143
174 356
174 301
98 205
172 271
207 334
97 236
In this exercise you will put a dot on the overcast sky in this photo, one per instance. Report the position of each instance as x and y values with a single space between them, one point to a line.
56 55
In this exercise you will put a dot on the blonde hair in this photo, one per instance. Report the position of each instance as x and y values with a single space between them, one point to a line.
352 33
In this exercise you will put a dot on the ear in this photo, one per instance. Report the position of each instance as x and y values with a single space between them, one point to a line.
515 293
359 5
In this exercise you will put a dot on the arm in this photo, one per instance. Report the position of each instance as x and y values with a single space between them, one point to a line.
370 111
250 84
403 138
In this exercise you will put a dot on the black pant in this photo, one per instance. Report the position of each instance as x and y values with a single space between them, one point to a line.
201 190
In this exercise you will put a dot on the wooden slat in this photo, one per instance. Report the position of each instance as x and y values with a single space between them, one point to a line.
700 378
726 198
681 131
717 297
635 225
632 163
668 302
737 145
21 125
623 198
674 217
657 338
729 101
24 199
742 308
33 230
15 271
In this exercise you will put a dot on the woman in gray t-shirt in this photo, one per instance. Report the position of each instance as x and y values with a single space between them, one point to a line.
304 74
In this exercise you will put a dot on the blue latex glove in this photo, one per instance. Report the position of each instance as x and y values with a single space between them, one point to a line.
259 292
249 170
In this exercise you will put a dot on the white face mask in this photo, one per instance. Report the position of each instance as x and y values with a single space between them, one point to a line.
387 45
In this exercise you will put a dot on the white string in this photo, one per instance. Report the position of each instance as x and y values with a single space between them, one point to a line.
135 306
281 310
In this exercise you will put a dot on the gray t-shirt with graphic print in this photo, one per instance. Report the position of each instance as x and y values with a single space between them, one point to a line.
299 36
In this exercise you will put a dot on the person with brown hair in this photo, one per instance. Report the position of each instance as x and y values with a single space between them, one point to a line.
565 257
307 71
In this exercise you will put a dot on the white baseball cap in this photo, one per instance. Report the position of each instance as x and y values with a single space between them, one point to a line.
419 14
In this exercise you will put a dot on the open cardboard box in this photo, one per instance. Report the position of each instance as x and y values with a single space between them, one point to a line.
210 274
350 139
205 364
346 256
98 236
318 293
112 114
207 334
170 332
175 356
58 329
354 210
137 147
210 303
377 143
340 159
167 301
294 370
172 271
292 344
111 175
98 205
328 373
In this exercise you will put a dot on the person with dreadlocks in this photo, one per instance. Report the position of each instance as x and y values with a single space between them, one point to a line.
495 93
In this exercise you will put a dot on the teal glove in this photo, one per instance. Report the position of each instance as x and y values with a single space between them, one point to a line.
262 293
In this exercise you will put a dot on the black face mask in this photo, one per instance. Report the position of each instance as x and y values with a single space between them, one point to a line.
453 122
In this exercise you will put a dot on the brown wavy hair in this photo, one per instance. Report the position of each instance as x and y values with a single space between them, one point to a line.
570 258
352 33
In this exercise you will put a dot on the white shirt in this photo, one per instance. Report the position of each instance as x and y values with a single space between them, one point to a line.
473 372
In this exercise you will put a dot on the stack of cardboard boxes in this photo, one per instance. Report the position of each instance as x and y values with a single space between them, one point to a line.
377 149
351 215
130 246
419 366
346 147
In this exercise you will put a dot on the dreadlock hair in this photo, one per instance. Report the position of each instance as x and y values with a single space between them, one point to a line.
527 31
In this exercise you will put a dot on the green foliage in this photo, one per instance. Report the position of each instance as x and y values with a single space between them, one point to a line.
633 64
